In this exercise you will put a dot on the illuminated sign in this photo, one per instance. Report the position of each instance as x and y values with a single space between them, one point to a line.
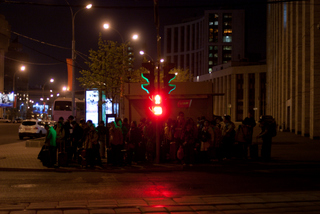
39 108
92 100
6 100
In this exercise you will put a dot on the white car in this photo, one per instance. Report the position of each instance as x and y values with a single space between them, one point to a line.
4 120
32 128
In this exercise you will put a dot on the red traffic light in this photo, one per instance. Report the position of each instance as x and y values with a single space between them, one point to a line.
157 108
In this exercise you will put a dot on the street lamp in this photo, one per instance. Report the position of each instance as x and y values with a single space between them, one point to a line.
134 37
73 15
143 53
22 69
43 99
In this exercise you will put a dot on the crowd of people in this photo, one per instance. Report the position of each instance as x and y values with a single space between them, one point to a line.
182 140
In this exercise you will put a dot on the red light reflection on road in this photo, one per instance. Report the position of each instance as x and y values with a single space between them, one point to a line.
157 191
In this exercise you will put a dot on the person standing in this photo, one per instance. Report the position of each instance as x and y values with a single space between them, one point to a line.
76 138
116 143
134 139
92 146
266 136
51 144
188 138
228 135
250 123
103 135
60 135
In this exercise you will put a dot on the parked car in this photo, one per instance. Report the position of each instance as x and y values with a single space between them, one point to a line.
4 120
17 120
32 128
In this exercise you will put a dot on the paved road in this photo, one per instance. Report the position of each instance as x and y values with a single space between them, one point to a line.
9 133
293 169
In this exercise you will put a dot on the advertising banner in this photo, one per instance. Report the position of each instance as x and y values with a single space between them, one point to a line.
6 100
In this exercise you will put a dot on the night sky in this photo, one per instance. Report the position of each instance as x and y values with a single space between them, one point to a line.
45 28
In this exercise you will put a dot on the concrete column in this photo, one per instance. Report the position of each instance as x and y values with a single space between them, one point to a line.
292 64
224 89
257 99
314 70
298 68
282 119
215 98
233 93
270 57
245 95
305 63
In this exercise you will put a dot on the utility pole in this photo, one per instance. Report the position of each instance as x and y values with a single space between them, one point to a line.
156 22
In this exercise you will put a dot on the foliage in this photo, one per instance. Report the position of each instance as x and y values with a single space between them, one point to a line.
106 68
182 74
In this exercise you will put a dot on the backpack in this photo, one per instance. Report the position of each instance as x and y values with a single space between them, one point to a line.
273 128
271 123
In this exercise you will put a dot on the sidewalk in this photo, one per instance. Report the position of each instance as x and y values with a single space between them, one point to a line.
296 202
287 148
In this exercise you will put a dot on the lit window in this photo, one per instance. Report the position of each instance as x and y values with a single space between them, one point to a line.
210 62
227 39
216 22
210 23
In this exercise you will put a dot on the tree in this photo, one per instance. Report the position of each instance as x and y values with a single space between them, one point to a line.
107 67
182 75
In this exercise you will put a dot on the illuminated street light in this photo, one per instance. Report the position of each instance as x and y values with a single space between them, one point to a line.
134 37
73 16
22 69
143 53
51 81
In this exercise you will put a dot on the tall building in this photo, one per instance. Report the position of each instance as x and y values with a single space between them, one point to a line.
199 45
213 49
293 65
4 44
16 79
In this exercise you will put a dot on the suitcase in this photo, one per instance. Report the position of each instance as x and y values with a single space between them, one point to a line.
254 151
173 151
45 157
63 157
82 158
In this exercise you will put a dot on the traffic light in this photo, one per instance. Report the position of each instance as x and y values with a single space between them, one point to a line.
158 107
167 78
149 77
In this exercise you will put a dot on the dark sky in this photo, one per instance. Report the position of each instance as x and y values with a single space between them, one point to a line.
49 23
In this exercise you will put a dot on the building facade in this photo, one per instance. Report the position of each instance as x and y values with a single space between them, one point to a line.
202 44
293 65
239 88
213 49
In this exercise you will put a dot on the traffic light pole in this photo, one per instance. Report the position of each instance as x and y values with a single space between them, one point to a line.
156 21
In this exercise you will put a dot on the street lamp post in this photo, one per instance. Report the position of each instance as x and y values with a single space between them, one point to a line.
73 15
143 53
43 101
22 68
134 37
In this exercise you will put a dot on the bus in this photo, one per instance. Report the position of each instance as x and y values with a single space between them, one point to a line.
62 107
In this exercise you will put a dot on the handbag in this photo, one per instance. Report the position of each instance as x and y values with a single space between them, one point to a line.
180 153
